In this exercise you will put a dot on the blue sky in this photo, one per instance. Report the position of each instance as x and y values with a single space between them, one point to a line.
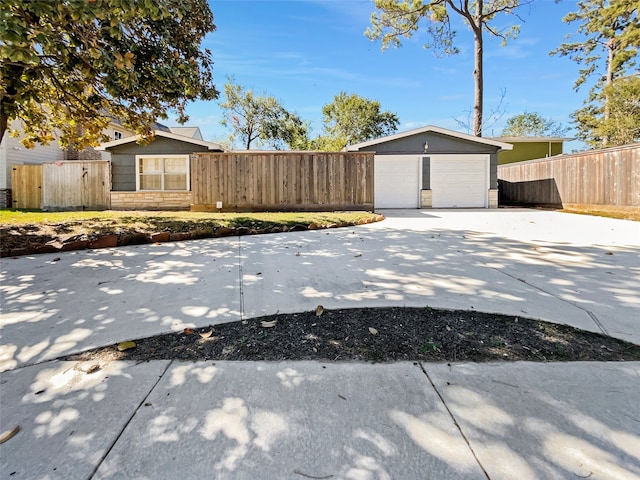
306 52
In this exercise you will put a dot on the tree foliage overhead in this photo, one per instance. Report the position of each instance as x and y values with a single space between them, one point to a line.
529 124
398 19
611 37
68 66
607 50
622 124
261 118
350 119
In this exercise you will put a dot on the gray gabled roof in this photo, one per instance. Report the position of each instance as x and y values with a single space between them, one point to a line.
434 129
160 133
192 132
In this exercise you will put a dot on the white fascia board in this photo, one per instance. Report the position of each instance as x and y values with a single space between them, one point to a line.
431 128
160 133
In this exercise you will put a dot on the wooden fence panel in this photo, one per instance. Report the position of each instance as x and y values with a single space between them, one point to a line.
263 181
76 185
601 177
26 186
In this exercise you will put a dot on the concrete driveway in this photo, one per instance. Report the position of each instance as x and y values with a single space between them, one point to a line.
580 270
294 420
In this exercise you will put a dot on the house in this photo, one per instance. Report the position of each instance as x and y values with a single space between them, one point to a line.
432 167
13 153
155 175
530 148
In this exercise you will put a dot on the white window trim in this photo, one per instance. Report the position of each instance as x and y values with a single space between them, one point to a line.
185 157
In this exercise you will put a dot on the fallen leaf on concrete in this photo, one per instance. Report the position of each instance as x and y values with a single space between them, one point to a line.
319 310
206 334
188 331
297 254
93 368
57 259
269 324
373 331
122 346
312 476
9 434
358 255
609 253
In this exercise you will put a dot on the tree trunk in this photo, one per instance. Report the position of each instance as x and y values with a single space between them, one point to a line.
610 48
478 73
4 121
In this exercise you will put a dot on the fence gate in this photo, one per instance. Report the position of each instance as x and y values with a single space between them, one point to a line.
26 186
76 185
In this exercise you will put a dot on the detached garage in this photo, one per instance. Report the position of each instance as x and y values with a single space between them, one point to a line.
431 167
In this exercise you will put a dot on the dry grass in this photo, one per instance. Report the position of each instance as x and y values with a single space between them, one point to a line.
129 218
619 214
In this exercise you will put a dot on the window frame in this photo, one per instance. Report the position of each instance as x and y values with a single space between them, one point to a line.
117 135
163 173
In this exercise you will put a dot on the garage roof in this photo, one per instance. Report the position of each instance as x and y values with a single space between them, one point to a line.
434 129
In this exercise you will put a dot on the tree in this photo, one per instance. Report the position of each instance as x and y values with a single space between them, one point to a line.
287 130
396 19
622 125
350 118
608 52
254 117
69 66
530 124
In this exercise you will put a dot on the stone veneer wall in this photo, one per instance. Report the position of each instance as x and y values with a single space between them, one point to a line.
5 198
426 198
151 200
493 198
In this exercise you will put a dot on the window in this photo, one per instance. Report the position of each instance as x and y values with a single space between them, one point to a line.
117 135
166 172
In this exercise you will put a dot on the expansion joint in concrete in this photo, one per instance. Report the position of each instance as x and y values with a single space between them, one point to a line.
454 420
240 280
135 412
591 314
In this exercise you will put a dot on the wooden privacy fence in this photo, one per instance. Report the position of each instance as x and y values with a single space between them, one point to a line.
26 186
76 185
601 177
262 181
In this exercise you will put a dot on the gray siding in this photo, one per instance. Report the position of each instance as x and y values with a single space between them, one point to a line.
123 159
493 170
426 173
438 144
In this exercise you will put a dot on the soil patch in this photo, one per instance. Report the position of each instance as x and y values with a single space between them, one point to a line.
27 239
377 335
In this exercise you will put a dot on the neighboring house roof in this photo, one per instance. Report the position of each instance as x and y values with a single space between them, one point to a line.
192 132
434 129
533 139
160 133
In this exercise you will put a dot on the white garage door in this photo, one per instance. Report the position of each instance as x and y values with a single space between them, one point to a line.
459 181
396 181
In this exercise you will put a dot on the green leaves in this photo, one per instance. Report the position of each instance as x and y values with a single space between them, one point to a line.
355 119
529 124
607 48
86 61
261 118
